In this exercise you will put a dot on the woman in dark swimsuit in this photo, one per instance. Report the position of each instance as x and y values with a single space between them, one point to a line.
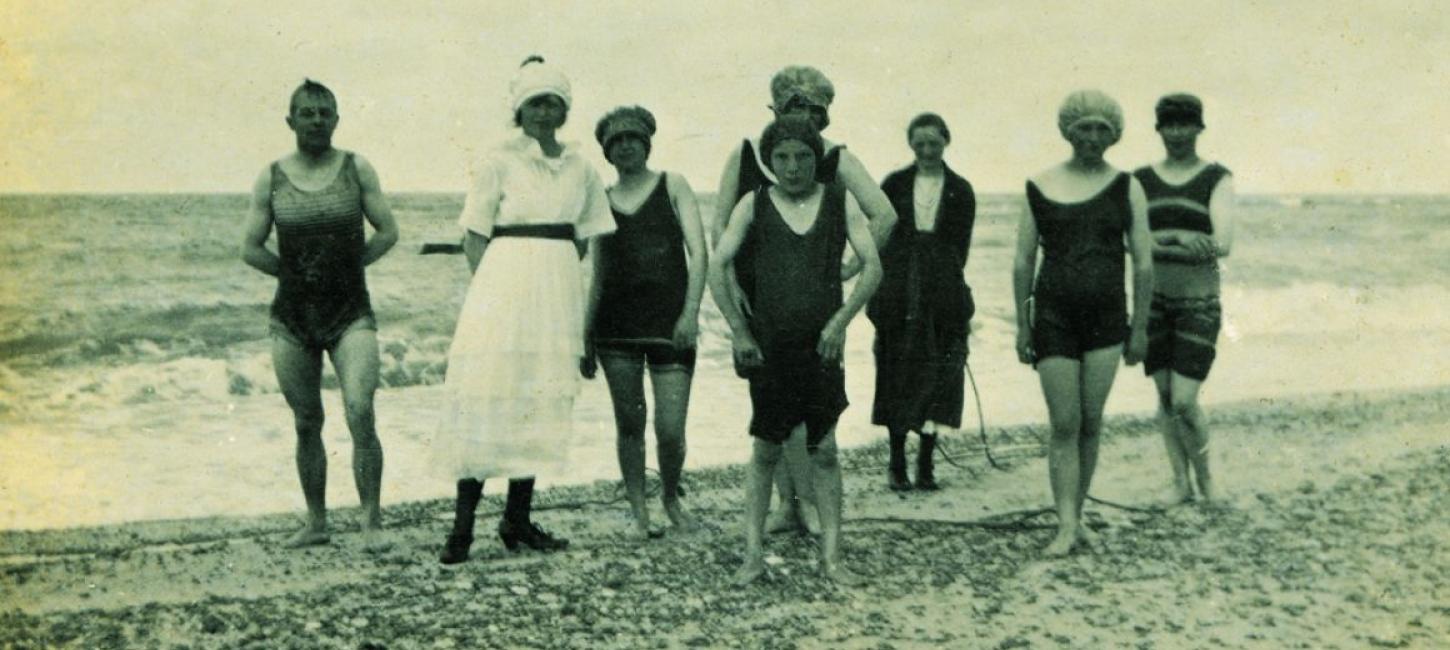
801 91
651 273
793 343
1072 319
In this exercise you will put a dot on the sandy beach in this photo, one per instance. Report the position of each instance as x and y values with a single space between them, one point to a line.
1330 534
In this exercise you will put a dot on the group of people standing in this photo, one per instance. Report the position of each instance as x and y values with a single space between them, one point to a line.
791 205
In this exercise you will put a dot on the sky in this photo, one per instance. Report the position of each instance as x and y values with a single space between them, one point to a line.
1300 97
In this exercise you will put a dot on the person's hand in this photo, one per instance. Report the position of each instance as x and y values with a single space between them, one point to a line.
851 268
1200 245
1025 353
588 364
741 302
1137 347
687 328
747 352
832 342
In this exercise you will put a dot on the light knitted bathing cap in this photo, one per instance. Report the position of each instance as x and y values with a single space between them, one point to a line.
534 78
801 81
1090 105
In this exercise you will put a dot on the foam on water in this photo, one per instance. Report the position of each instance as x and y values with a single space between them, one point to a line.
131 331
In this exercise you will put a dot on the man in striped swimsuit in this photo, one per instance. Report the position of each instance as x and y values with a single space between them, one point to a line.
318 197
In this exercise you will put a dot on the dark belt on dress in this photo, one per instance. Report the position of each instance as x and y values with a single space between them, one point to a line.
563 231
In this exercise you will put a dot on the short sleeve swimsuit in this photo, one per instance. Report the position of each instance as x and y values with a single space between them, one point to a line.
797 289
321 286
644 279
1079 301
1185 318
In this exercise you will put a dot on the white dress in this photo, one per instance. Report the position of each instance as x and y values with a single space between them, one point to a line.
513 366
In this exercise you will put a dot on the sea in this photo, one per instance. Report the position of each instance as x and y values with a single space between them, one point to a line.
134 351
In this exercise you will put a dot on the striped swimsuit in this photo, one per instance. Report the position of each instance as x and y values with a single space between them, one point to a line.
321 286
1185 318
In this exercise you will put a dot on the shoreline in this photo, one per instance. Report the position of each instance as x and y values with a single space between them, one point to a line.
231 455
1335 464
1020 441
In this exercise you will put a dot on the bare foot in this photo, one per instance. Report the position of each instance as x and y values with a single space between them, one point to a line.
1179 494
1205 489
680 521
1061 545
839 574
1088 537
750 571
810 518
375 541
780 520
308 536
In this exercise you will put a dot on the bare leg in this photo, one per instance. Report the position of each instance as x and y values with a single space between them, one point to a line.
1099 368
672 404
1185 407
763 459
826 473
299 374
786 512
356 361
797 499
1059 377
1172 439
626 389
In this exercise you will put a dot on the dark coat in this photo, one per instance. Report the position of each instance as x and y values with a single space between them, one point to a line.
941 255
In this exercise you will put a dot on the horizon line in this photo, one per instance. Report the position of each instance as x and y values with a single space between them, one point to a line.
11 193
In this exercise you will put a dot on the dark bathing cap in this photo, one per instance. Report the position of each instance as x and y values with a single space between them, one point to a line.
622 121
1179 108
791 127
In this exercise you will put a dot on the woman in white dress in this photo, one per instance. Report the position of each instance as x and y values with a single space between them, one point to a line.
513 368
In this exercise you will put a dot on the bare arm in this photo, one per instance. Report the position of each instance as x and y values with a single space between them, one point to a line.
259 228
722 287
725 195
858 233
696 257
1173 246
853 175
724 207
1140 247
873 201
375 208
589 364
596 287
1221 207
1024 265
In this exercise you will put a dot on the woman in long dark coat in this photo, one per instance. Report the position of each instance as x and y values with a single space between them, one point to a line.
924 306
